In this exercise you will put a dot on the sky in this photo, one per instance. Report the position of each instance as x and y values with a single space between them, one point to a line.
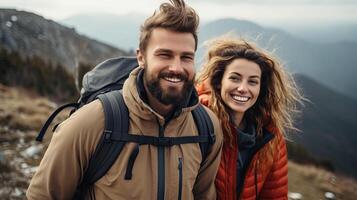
296 12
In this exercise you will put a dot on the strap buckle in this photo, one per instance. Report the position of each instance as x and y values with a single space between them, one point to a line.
107 135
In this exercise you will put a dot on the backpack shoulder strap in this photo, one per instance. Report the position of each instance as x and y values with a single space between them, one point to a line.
205 128
52 117
116 123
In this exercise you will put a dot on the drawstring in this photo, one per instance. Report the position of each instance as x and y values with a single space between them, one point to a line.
91 193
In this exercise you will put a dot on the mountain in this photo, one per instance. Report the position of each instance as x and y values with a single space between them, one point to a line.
328 125
325 33
46 57
332 64
32 35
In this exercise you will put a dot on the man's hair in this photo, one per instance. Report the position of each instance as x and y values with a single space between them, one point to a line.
174 16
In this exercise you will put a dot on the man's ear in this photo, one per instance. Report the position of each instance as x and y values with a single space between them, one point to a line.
140 57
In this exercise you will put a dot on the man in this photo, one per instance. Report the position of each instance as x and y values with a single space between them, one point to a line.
160 97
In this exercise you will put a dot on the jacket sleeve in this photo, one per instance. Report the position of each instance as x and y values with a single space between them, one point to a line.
67 155
204 187
276 184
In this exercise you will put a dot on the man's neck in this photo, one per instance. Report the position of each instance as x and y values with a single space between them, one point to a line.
156 105
149 99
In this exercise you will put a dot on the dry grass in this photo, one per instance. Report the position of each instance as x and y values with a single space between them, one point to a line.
22 110
313 182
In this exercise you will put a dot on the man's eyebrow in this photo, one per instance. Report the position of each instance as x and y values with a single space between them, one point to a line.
163 51
188 53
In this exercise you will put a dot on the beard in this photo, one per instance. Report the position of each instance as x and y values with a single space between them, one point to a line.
171 95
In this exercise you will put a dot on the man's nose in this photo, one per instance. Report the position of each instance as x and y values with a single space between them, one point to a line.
176 65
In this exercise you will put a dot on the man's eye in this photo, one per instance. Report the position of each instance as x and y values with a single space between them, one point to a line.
164 55
188 58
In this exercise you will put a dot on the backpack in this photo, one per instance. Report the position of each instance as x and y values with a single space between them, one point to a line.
104 82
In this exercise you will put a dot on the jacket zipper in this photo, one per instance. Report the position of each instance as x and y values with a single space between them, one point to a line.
161 167
245 169
180 178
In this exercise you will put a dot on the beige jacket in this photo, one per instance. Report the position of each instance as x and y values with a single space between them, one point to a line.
75 140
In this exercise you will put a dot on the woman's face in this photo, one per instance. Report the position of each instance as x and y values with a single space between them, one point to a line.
240 85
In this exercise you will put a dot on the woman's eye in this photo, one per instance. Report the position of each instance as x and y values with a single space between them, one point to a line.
253 82
234 78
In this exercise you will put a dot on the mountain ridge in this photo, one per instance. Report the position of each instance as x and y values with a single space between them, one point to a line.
54 43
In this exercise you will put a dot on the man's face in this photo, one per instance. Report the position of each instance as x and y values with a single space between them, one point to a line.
169 65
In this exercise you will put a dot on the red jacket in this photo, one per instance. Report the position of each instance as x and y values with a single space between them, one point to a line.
267 173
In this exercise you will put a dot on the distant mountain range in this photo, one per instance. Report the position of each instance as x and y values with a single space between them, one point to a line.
328 123
324 33
334 65
119 31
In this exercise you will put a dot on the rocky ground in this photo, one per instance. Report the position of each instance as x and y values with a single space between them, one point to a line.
22 115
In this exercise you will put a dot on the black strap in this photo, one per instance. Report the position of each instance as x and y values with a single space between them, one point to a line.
116 122
50 119
162 141
205 129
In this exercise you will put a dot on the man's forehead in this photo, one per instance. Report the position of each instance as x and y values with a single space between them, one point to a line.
164 39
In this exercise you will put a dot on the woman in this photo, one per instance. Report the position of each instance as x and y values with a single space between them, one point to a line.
255 99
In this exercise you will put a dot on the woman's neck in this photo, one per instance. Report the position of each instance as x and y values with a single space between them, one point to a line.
238 120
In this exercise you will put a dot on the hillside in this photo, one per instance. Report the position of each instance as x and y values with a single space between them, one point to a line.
313 183
23 113
46 57
31 35
328 125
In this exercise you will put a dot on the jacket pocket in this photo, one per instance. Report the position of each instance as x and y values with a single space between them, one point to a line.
180 178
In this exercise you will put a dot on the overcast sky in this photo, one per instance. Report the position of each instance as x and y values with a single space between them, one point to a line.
262 11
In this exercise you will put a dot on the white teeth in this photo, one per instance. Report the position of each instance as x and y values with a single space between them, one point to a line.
240 98
172 79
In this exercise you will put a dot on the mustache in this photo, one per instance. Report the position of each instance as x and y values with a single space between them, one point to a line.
181 76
